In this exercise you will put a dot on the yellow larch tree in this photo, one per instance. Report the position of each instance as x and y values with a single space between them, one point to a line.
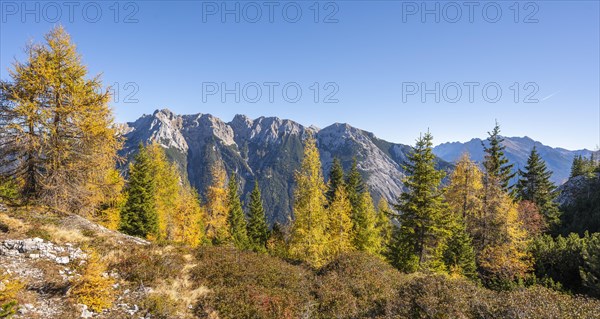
309 238
339 224
217 230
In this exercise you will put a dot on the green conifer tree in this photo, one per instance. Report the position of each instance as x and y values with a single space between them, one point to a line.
258 230
495 162
235 217
139 217
418 243
534 185
336 179
354 186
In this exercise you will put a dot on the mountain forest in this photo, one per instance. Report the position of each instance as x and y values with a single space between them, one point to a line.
105 220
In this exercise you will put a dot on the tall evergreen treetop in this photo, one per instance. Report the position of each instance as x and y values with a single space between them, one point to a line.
534 185
336 179
423 217
495 162
235 218
258 230
139 217
354 186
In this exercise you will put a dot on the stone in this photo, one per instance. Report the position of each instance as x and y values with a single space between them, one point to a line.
34 256
62 260
85 313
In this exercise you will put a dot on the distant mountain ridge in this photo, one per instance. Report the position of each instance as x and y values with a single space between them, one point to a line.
269 150
517 151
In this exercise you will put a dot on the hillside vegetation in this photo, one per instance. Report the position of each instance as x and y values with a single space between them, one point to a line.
80 238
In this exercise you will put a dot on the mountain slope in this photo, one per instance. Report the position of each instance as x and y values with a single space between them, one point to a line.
268 149
559 160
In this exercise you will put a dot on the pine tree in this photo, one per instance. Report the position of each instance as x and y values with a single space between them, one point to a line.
235 217
217 230
308 236
336 179
138 217
367 235
258 230
495 162
423 221
534 185
339 224
57 133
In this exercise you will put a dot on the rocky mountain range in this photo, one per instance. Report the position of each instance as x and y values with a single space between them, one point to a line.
269 150
517 151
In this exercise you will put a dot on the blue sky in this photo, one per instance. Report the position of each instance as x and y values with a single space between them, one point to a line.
373 57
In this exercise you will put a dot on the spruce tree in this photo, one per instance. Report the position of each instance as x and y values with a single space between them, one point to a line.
336 179
308 236
138 217
258 230
576 166
235 217
459 255
354 186
495 162
423 215
534 185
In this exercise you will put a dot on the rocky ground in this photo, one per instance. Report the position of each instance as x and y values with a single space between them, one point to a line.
46 252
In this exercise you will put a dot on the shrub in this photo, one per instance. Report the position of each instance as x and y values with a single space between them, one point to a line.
40 232
148 265
94 288
9 288
356 285
161 306
251 285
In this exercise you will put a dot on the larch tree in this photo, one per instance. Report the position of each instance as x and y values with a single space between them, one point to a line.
308 234
339 225
464 195
217 230
423 216
534 185
139 217
367 235
235 217
495 162
504 257
167 184
384 223
58 138
188 217
258 229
